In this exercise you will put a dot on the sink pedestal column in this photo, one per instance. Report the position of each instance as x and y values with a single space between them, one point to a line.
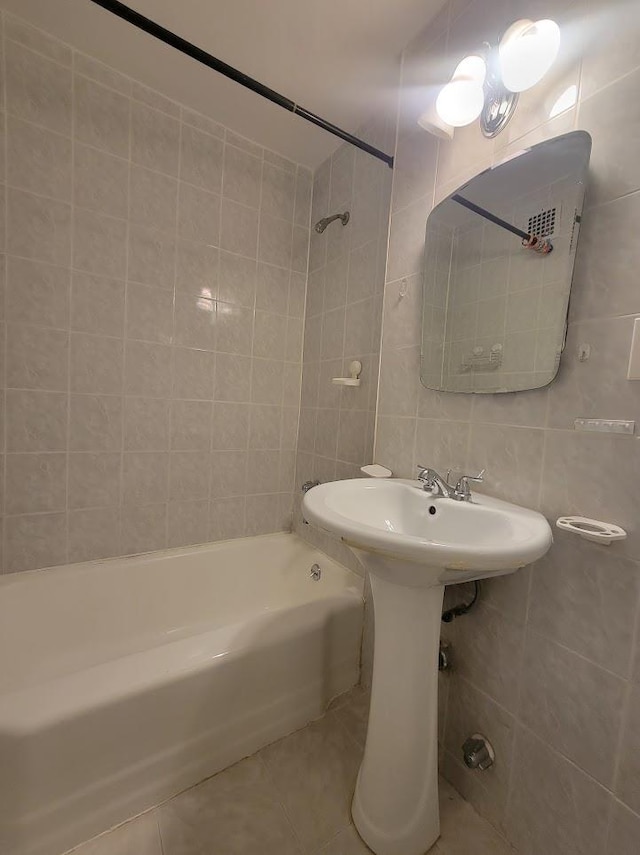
395 806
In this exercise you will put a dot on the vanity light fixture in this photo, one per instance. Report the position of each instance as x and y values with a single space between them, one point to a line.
487 84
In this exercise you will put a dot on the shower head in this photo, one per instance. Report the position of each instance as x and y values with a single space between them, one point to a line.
321 225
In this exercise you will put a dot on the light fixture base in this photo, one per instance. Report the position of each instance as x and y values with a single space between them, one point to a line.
499 107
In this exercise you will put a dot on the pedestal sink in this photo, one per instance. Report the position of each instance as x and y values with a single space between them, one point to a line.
413 545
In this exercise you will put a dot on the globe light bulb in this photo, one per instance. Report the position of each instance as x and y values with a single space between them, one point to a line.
527 51
460 102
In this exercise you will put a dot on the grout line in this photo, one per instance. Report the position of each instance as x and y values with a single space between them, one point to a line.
81 331
125 348
156 819
252 357
606 86
575 767
66 66
279 799
72 240
53 131
5 262
173 344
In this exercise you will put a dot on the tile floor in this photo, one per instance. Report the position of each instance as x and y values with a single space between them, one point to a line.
292 798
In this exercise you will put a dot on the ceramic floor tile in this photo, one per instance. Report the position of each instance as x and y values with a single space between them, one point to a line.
292 798
343 699
353 713
462 831
234 813
140 836
348 842
314 771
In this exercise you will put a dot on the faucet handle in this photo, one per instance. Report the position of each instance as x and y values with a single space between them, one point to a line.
479 478
462 489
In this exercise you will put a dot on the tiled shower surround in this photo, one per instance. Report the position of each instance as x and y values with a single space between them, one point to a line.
343 319
153 316
344 310
548 664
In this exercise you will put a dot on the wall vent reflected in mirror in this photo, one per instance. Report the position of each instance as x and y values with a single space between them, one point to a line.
499 257
544 224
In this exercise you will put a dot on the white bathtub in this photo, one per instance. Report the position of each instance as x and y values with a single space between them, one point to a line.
124 681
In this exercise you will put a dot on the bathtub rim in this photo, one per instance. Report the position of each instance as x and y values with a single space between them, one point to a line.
7 579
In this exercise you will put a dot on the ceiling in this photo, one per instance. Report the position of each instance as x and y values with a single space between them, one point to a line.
337 58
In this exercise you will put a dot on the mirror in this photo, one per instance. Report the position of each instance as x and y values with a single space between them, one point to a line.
495 310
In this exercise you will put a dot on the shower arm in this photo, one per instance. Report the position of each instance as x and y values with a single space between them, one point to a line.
322 224
333 217
175 41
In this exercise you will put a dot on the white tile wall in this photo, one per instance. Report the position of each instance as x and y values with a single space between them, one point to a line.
152 315
548 665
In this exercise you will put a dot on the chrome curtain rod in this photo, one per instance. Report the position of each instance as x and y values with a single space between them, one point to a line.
175 41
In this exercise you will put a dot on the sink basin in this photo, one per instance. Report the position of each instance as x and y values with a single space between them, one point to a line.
458 541
413 545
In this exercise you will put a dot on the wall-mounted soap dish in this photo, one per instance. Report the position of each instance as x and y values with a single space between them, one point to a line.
594 530
355 369
375 470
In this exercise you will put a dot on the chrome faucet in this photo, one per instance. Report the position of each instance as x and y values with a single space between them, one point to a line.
433 482
440 487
